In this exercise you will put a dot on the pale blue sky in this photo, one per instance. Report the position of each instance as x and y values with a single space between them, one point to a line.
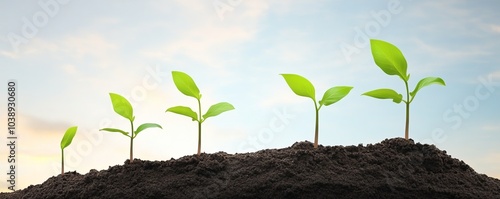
70 54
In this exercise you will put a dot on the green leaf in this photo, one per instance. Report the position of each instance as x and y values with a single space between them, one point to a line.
183 110
389 58
385 93
300 85
426 82
186 84
115 130
68 136
217 109
122 106
334 94
146 126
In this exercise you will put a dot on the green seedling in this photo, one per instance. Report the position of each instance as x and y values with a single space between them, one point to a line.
185 84
303 87
390 59
122 107
65 142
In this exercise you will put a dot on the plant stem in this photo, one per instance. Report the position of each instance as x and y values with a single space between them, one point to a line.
62 162
199 138
407 120
199 127
132 142
317 126
407 126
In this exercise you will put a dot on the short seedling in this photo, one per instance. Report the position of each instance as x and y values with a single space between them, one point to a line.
186 86
122 107
65 142
303 87
390 59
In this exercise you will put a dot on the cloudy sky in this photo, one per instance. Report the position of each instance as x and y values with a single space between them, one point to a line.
66 56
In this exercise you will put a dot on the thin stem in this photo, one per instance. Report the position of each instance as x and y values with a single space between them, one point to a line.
132 142
407 126
199 138
407 121
317 126
62 162
199 127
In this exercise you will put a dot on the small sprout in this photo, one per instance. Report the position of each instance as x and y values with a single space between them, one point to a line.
185 84
122 107
65 142
390 59
303 87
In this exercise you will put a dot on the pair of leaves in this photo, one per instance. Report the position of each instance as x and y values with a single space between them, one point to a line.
186 85
68 137
136 132
123 107
303 87
214 110
390 59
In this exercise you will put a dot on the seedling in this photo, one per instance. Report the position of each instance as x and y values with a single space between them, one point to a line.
122 107
185 84
65 142
390 59
303 87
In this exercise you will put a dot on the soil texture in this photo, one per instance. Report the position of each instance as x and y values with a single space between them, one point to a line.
393 168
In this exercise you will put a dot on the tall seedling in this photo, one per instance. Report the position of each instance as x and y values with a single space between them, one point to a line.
185 84
390 59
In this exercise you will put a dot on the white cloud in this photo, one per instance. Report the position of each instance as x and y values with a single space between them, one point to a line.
207 38
450 53
491 128
495 75
69 69
495 28
8 54
203 43
88 44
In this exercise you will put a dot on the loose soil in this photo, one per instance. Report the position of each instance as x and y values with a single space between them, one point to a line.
394 168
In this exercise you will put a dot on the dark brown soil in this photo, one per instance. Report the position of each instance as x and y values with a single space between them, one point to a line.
394 168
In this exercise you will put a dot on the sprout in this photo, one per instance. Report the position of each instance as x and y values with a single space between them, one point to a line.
122 107
390 59
186 86
303 87
65 142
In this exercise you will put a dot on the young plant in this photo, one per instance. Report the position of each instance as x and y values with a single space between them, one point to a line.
303 87
65 142
122 107
390 59
186 86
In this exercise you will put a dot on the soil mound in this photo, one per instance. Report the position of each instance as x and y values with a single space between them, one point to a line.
394 168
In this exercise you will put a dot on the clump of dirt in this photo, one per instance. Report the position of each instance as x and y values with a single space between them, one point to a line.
394 168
